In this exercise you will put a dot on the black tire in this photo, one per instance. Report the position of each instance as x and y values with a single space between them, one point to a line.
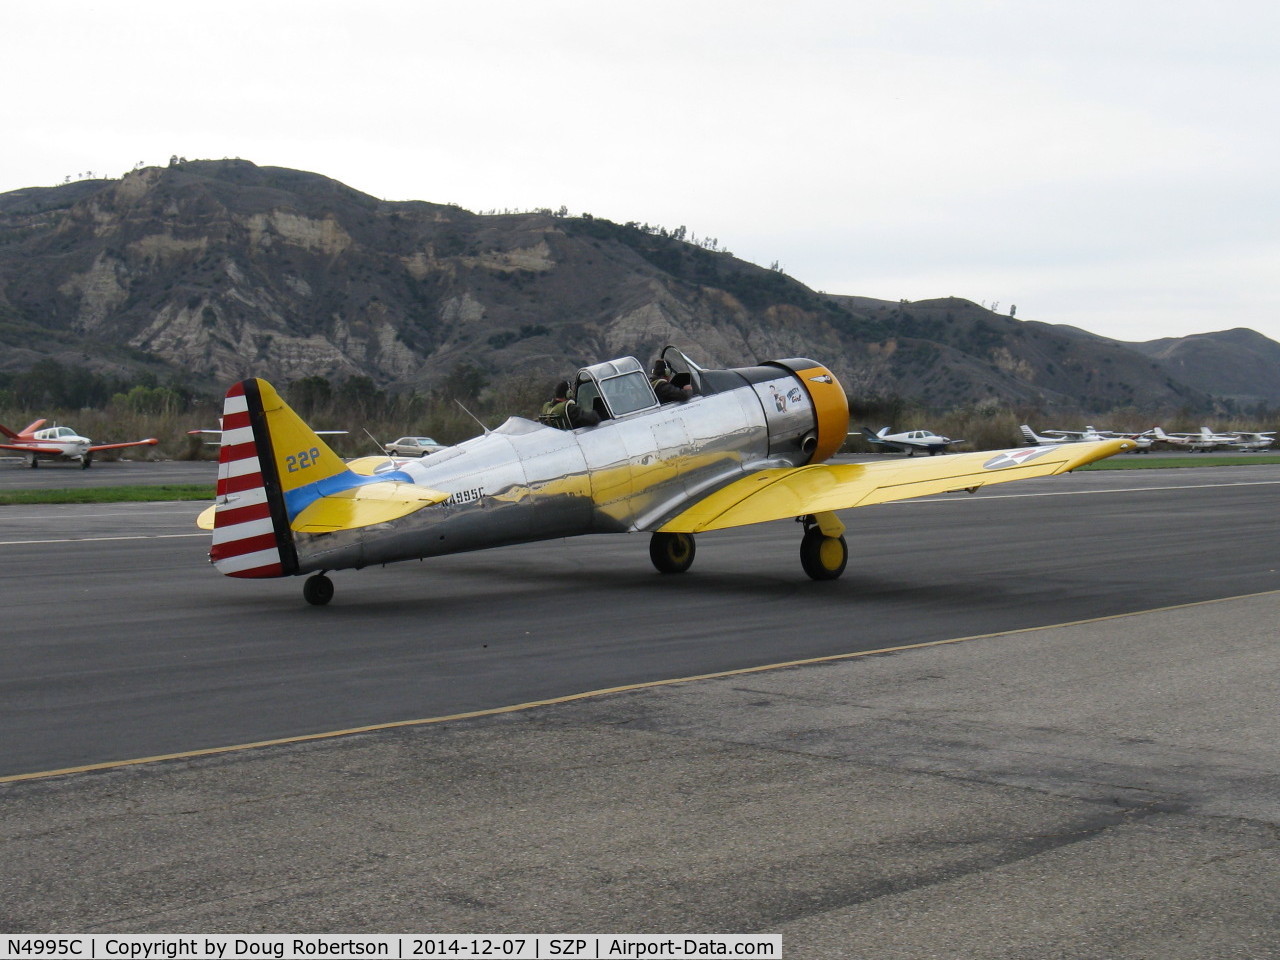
318 590
823 557
672 552
35 462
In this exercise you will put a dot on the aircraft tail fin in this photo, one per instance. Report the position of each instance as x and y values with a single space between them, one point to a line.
1029 437
26 432
276 477
251 534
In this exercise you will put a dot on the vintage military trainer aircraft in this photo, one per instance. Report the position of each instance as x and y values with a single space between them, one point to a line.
60 443
910 441
748 446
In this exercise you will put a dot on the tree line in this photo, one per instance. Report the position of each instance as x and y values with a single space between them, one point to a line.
116 407
465 401
51 386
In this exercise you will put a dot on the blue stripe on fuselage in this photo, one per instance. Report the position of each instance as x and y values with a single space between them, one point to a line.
296 501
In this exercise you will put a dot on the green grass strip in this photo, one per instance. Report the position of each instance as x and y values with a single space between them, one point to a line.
1131 461
174 491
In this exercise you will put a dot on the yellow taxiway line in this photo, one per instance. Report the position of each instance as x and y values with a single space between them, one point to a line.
589 694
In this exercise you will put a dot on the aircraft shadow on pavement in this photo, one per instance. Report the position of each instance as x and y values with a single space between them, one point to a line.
485 582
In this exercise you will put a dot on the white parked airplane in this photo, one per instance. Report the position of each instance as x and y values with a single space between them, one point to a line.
1253 440
910 441
210 432
1201 442
1032 439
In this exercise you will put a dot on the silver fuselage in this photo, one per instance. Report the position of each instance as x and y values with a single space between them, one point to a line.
525 481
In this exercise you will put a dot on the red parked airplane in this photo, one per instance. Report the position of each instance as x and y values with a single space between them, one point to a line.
60 443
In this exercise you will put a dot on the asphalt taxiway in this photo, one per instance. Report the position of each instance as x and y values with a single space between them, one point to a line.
16 474
953 779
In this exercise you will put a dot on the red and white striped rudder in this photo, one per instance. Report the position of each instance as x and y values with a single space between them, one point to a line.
251 536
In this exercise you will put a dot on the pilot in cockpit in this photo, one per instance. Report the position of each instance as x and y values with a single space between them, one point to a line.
666 391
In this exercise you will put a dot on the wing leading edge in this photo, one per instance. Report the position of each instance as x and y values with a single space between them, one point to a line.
825 487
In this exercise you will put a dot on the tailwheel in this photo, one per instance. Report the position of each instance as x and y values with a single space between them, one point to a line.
671 552
318 590
823 557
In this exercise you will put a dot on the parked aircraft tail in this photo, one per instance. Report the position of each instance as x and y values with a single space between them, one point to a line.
26 431
1029 437
276 478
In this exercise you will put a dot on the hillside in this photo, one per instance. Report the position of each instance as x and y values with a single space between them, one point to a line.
1238 364
210 271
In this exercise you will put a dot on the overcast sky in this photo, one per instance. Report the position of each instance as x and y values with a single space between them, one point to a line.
1111 165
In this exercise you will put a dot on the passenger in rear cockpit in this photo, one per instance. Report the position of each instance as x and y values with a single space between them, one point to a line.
563 413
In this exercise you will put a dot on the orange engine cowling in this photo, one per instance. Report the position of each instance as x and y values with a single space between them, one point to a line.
830 407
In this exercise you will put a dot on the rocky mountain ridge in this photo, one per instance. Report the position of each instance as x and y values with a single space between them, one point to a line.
216 270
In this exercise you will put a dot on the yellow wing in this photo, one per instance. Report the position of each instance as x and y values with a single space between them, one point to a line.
776 494
369 466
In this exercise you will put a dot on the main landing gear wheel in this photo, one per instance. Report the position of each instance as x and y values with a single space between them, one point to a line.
318 590
823 557
671 552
